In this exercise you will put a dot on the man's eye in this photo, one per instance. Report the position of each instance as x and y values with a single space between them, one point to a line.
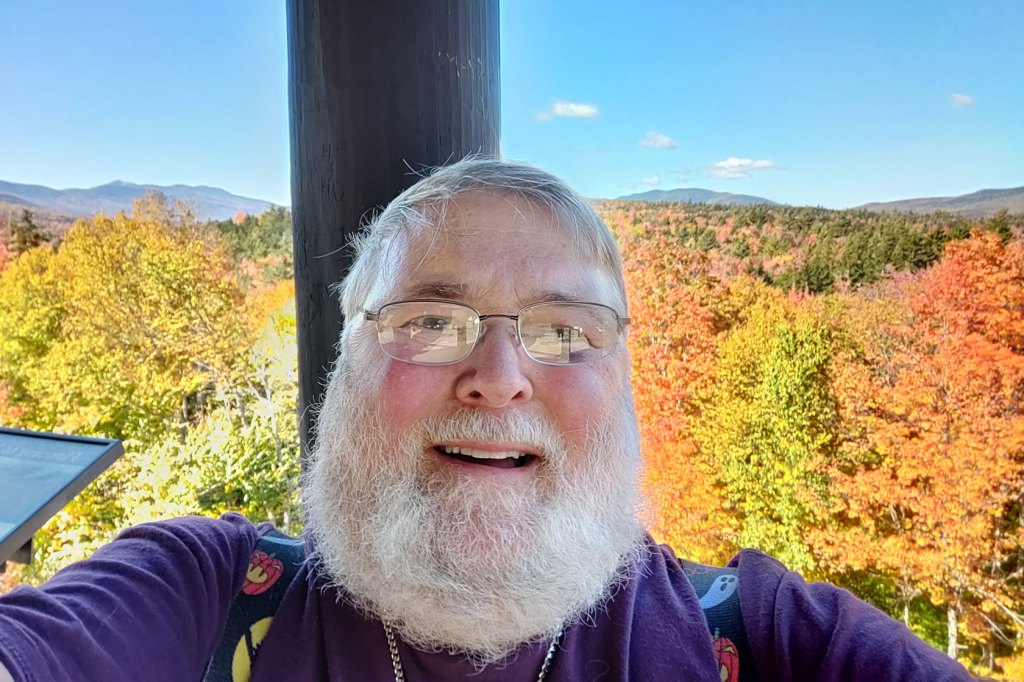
430 323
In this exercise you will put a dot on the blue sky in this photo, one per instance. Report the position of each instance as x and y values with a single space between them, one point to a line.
821 103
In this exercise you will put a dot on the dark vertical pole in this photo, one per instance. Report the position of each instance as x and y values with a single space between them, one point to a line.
375 87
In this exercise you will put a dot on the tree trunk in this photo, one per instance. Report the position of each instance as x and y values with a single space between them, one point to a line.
951 631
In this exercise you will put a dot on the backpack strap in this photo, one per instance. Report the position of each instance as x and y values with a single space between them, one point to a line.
272 567
277 558
718 591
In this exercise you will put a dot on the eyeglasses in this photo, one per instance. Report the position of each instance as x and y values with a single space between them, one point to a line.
443 333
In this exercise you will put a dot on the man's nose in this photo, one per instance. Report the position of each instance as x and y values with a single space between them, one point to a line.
497 372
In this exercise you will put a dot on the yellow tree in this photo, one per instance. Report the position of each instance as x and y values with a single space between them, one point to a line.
246 449
30 316
769 419
150 314
124 331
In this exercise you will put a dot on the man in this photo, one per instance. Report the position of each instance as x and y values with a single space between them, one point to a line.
471 506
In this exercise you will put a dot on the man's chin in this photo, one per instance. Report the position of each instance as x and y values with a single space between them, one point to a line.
484 619
481 581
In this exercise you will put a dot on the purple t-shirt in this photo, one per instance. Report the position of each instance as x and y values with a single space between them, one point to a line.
152 605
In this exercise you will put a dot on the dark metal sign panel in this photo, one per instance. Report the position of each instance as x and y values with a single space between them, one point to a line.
39 474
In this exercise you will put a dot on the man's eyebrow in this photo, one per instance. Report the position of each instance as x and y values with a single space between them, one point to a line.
555 297
443 290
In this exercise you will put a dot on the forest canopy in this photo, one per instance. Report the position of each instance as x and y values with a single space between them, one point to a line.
841 389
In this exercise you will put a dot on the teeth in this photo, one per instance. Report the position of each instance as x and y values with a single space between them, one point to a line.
482 454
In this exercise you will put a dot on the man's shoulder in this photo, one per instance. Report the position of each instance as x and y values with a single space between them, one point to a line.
229 523
758 566
190 533
798 626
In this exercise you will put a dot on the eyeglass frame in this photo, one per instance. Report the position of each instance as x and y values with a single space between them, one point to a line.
621 322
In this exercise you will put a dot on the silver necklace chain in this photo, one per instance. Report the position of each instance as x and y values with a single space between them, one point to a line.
396 661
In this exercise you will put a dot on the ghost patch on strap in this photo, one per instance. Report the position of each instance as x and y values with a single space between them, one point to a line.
717 589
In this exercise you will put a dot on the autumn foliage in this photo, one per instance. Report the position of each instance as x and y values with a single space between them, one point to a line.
871 433
928 489
844 390
672 344
138 327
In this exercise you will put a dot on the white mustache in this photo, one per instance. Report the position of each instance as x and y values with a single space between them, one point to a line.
533 431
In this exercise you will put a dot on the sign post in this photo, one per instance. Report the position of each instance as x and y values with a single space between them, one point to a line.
39 474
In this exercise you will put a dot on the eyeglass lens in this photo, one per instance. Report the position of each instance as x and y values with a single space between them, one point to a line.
435 332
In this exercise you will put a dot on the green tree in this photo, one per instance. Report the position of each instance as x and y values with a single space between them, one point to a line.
768 422
1000 224
859 264
818 273
25 234
261 245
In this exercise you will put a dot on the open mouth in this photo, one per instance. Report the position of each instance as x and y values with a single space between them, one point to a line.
503 459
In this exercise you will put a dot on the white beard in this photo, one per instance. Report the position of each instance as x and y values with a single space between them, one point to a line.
459 566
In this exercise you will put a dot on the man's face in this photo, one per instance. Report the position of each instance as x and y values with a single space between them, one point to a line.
496 254
418 509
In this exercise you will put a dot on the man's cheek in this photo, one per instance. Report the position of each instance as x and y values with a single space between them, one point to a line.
410 393
578 400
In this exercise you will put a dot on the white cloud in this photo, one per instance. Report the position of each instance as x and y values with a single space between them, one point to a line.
542 116
651 181
962 100
733 168
657 141
574 110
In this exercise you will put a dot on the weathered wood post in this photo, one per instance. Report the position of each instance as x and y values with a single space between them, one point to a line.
374 88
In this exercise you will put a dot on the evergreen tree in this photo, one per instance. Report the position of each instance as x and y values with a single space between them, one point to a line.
25 234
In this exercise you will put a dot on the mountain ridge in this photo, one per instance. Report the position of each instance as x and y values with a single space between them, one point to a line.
984 202
208 203
214 203
696 195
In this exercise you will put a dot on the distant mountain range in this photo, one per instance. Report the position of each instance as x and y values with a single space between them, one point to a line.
208 203
211 203
696 196
983 203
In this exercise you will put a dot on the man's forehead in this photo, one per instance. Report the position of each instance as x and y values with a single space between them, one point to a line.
491 249
486 221
467 212
462 274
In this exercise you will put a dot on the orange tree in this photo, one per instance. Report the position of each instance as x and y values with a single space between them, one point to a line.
672 342
928 487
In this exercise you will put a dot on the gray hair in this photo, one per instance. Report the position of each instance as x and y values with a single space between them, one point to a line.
591 236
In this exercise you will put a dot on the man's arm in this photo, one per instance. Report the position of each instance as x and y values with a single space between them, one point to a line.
816 631
150 605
